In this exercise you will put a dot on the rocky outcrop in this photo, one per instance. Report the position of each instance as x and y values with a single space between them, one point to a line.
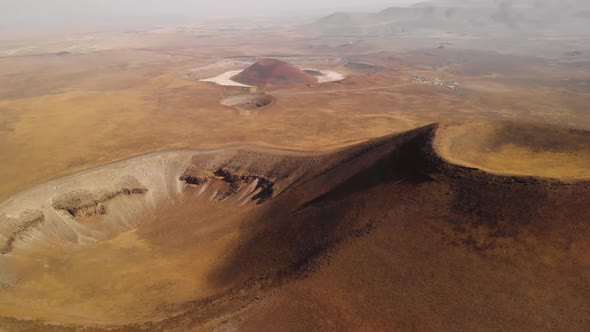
26 221
86 203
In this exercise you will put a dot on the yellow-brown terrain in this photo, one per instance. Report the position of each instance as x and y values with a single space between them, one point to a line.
136 197
375 235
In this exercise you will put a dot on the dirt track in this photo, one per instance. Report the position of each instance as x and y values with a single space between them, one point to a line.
342 90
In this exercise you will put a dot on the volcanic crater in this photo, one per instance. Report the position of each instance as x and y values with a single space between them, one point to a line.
177 239
248 101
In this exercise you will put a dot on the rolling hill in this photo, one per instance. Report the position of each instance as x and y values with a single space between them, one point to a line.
496 18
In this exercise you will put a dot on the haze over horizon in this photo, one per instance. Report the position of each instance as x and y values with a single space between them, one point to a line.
36 10
337 165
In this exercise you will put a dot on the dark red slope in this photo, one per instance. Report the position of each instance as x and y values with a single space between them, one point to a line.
387 235
273 73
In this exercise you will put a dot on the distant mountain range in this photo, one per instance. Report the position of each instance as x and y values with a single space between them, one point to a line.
464 17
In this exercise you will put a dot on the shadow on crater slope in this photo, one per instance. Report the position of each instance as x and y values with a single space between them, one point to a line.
387 233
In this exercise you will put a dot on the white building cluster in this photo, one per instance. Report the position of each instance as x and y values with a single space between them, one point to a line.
436 82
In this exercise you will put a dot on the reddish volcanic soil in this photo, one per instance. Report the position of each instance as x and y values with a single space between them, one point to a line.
387 235
273 73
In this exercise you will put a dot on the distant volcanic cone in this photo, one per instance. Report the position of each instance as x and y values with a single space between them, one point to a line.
273 73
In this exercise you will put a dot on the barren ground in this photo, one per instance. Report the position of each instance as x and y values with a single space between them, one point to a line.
62 114
493 235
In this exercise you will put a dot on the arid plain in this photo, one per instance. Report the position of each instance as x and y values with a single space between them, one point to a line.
66 113
382 200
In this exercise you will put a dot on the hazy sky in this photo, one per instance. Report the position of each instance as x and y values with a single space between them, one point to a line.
16 10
